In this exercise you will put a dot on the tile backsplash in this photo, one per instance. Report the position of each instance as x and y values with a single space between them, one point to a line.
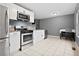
28 25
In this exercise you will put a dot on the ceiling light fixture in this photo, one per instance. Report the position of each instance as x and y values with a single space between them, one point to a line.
54 13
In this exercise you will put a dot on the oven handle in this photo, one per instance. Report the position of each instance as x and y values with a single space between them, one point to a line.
27 34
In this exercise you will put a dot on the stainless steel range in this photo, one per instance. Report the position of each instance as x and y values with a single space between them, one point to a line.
25 36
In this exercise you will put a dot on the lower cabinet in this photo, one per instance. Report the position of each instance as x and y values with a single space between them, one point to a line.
38 35
14 42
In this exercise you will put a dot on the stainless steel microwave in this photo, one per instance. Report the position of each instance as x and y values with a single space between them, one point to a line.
23 17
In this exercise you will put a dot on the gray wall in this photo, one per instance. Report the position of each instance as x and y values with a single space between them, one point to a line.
53 25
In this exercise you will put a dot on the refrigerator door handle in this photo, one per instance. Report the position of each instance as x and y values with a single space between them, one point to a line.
6 22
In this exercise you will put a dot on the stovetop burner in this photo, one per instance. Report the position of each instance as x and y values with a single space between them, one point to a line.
26 31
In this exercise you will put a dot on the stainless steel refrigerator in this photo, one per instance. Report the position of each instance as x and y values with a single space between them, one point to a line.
4 37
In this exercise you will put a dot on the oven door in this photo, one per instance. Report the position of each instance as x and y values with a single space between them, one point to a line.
26 38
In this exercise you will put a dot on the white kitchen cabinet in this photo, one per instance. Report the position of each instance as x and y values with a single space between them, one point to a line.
31 14
31 17
38 35
13 8
26 12
14 41
20 10
12 13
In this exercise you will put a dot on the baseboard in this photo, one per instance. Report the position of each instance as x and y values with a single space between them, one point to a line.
53 36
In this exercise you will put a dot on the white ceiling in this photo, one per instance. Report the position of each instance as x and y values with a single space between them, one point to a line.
47 10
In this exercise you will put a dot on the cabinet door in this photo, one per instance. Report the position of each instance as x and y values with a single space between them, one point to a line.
12 13
31 14
38 35
20 9
32 17
14 42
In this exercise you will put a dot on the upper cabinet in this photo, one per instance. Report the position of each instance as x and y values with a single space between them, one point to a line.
20 9
26 12
32 17
12 13
13 8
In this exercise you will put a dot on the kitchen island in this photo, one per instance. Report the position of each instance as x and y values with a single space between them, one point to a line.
38 35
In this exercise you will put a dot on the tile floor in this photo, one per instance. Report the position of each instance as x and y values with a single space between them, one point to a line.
52 46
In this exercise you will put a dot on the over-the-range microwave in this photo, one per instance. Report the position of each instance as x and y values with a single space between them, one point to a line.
23 17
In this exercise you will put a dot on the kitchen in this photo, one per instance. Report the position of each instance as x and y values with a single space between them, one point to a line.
39 29
19 29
